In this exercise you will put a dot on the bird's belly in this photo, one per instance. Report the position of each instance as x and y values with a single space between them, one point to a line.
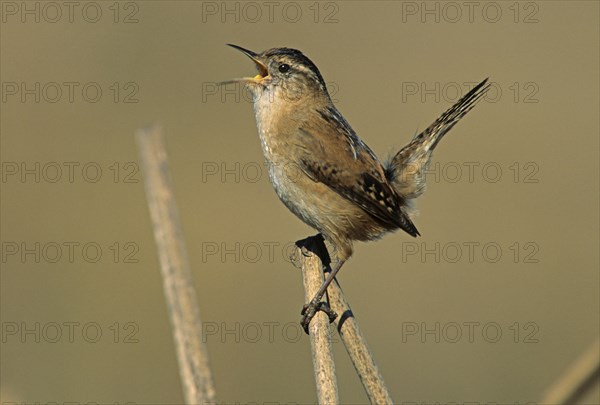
320 207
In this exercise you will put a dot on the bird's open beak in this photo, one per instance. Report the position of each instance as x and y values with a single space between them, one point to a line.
263 72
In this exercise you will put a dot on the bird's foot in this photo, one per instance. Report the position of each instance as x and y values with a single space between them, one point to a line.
305 252
310 310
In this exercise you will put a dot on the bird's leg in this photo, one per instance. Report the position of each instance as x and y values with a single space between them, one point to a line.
310 310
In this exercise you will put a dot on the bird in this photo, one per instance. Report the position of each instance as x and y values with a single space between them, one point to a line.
339 187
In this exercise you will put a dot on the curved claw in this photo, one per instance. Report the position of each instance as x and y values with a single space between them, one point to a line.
310 310
305 251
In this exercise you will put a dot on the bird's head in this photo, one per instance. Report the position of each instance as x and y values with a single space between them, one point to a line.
283 72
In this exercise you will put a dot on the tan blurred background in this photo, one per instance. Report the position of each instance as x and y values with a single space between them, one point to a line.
491 304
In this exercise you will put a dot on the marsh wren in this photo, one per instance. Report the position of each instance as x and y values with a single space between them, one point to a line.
338 187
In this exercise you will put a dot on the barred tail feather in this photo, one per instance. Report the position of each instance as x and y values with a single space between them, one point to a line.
406 170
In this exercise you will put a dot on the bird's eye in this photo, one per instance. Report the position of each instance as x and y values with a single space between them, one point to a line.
284 67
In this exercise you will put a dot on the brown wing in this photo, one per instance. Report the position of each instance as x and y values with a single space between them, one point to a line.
347 166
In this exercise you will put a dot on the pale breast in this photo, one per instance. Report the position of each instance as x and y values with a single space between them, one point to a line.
313 202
